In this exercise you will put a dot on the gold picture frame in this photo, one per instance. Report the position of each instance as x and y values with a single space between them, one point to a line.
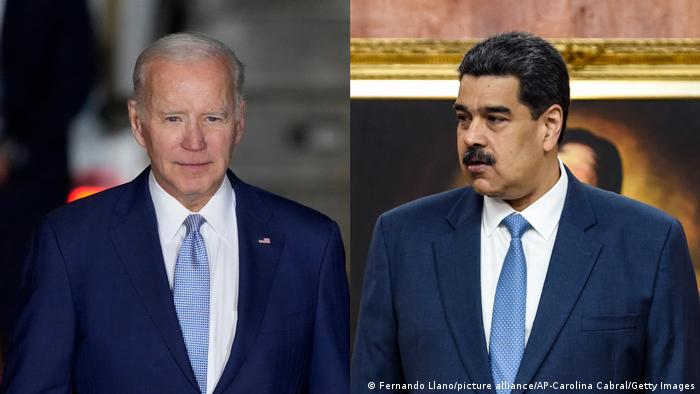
599 68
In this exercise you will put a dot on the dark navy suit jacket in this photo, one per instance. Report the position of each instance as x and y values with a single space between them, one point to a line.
619 303
99 315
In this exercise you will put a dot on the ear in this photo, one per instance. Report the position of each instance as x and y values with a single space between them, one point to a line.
239 124
553 119
135 120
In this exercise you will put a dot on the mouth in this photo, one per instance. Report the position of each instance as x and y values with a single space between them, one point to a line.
194 166
476 166
477 161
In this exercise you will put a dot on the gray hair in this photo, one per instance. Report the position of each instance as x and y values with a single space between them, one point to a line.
182 47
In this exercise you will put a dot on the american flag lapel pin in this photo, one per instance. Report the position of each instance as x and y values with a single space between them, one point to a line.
265 240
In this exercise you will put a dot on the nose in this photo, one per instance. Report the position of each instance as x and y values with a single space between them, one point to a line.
474 135
194 137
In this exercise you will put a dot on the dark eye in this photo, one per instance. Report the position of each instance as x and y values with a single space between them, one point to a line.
463 119
213 119
496 119
172 119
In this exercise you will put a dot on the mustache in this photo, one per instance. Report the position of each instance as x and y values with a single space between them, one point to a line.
478 154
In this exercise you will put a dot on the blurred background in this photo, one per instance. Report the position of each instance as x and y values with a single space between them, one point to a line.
66 75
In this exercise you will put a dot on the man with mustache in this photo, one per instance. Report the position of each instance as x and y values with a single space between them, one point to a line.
528 279
186 279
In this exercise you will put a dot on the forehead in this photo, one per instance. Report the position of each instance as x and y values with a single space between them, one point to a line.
488 90
208 76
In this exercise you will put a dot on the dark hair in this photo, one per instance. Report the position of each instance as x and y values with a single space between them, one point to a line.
539 67
608 163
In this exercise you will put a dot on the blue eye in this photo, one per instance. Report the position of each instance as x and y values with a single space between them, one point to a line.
172 119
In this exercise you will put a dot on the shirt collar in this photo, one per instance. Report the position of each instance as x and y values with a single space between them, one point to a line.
543 214
171 214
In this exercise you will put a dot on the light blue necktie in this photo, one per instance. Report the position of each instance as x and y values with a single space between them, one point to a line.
508 323
191 295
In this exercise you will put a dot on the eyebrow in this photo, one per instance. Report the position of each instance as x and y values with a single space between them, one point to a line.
459 107
221 112
169 113
501 109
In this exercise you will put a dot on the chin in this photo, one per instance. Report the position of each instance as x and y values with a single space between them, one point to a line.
197 187
485 188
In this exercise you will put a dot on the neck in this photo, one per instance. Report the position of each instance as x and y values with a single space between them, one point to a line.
195 206
194 202
549 179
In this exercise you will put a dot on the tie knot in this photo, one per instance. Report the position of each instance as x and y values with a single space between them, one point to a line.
516 224
193 223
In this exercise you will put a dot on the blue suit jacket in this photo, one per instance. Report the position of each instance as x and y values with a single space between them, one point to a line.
619 301
99 315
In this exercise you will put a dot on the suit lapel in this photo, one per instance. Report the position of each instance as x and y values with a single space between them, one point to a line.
257 266
457 259
135 237
572 260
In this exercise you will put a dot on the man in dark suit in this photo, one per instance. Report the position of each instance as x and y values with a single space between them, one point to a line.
185 280
528 280
47 66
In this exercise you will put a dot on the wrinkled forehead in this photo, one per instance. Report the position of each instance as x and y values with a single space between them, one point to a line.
208 76
214 67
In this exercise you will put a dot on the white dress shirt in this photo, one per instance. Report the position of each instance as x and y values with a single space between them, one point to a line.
538 242
220 233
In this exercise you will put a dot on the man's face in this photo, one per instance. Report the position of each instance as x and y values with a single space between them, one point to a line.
581 160
188 124
506 147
